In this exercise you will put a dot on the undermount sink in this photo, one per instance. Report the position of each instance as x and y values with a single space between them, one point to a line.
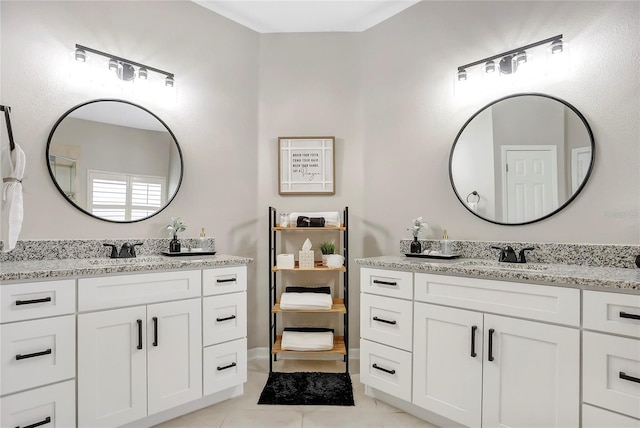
492 264
125 261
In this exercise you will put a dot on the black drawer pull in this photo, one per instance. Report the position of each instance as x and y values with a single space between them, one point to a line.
382 369
627 377
473 341
31 302
226 280
35 354
155 331
232 317
377 281
226 367
631 316
37 424
139 334
490 357
384 321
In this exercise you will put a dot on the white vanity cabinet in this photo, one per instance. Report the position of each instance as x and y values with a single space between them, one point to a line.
386 319
481 352
38 354
486 369
224 320
139 360
611 359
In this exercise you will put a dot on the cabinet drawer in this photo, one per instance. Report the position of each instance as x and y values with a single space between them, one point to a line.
224 318
128 290
37 300
37 352
611 312
387 282
385 368
386 320
53 406
539 302
224 366
611 373
595 417
224 280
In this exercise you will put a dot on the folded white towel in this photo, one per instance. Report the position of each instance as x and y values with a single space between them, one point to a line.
293 301
305 341
331 218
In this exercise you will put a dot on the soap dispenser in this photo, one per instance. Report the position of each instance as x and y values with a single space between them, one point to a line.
201 240
445 244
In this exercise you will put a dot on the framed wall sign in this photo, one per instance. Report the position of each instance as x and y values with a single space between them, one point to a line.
306 166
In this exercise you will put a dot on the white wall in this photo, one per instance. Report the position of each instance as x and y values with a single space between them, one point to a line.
309 86
214 114
411 116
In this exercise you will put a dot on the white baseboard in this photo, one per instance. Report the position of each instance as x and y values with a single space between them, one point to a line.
263 352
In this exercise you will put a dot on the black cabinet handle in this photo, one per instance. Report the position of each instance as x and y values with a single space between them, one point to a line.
625 376
226 367
377 281
232 317
490 357
384 321
35 354
473 341
226 280
382 369
37 424
155 331
31 302
631 316
139 334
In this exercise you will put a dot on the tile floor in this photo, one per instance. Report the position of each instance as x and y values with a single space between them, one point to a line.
244 412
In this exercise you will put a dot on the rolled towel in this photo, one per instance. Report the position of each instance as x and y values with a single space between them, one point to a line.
300 289
331 218
307 339
293 301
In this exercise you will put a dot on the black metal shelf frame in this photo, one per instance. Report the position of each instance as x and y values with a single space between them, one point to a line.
273 325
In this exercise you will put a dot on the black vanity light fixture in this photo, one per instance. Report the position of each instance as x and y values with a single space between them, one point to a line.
508 62
124 68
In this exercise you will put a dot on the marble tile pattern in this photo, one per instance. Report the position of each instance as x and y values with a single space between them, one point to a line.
603 255
592 277
54 249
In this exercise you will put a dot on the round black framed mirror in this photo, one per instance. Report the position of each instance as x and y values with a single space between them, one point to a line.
114 160
521 158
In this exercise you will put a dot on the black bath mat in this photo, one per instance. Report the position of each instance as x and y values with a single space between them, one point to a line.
308 388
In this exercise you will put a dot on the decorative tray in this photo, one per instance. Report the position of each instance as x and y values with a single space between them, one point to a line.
188 253
432 256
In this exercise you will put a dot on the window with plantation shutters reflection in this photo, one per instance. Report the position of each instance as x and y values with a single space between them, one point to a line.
122 197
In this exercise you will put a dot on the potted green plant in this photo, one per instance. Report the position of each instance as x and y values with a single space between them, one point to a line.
327 248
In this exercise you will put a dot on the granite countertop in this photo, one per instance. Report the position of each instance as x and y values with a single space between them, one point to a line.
553 274
61 268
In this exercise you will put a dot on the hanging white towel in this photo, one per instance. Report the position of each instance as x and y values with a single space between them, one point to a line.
12 201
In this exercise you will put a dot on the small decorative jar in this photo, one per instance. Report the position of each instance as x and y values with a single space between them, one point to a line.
284 220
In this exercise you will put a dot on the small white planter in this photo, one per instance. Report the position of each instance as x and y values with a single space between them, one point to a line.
335 260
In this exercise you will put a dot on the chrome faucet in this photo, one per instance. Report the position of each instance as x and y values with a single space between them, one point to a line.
128 250
508 254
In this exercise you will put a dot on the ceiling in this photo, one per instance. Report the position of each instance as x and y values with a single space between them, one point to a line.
304 16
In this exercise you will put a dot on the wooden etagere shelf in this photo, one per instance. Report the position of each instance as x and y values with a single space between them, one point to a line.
340 303
339 347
